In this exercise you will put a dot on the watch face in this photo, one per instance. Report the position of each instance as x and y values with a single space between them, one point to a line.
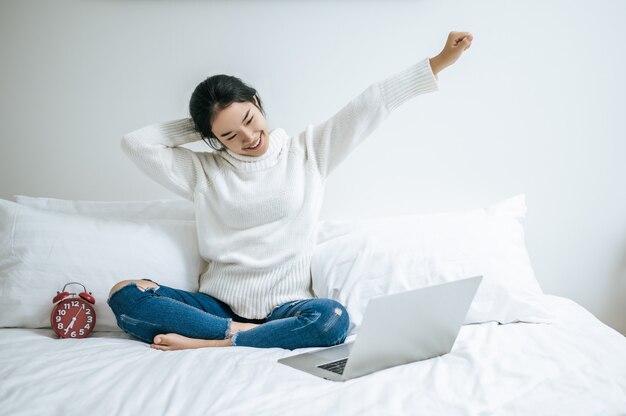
73 318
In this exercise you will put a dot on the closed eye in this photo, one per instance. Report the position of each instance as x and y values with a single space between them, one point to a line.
248 122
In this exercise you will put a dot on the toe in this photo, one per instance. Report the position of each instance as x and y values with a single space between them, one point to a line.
158 347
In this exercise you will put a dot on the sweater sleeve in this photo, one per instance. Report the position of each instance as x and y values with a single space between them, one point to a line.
155 150
331 141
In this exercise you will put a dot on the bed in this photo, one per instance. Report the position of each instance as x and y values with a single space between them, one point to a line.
519 352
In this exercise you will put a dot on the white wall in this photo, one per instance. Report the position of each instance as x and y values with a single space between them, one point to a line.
534 107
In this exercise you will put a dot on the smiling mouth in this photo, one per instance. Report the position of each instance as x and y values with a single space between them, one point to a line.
257 144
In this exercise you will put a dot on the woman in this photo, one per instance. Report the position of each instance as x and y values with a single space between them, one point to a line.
257 199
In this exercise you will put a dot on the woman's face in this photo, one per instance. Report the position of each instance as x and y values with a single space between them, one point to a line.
242 128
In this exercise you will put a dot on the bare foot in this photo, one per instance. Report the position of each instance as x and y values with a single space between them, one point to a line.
173 341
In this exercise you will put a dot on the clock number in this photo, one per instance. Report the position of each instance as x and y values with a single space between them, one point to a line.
87 326
75 303
58 319
89 318
81 332
60 325
73 334
87 311
61 312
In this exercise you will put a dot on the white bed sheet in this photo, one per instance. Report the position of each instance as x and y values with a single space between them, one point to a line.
576 366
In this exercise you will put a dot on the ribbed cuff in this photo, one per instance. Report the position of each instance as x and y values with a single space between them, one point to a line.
169 133
180 131
408 83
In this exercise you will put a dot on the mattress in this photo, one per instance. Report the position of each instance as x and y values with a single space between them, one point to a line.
573 366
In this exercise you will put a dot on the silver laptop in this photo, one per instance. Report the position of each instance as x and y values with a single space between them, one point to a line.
397 329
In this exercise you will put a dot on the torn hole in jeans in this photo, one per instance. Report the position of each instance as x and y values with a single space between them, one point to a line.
333 319
143 289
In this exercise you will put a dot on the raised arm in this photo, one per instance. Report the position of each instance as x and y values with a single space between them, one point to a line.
154 149
331 141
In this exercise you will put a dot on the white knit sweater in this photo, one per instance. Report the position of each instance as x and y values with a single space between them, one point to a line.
257 216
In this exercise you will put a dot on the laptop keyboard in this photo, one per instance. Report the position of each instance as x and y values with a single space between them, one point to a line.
335 366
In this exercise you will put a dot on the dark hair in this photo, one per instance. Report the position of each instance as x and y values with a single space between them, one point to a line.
213 95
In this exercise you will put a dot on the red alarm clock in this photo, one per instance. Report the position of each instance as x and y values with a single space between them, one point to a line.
73 316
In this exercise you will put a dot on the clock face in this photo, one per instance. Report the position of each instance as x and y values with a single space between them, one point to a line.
73 318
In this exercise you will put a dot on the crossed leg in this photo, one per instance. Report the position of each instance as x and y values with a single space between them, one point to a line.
173 341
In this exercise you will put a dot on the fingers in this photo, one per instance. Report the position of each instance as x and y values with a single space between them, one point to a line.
459 35
463 38
466 43
457 43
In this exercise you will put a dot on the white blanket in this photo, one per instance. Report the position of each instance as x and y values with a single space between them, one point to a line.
576 366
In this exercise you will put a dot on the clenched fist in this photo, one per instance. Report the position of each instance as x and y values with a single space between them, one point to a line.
457 43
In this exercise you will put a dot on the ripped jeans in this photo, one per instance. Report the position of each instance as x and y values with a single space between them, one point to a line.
317 322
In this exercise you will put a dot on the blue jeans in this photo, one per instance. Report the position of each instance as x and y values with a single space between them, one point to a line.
302 323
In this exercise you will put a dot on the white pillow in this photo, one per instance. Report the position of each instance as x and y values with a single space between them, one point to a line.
357 260
41 250
168 209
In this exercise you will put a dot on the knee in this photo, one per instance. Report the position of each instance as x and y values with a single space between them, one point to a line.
336 322
142 284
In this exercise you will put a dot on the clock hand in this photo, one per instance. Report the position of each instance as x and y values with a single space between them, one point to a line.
72 323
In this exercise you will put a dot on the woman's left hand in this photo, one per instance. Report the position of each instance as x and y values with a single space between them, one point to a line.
457 43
